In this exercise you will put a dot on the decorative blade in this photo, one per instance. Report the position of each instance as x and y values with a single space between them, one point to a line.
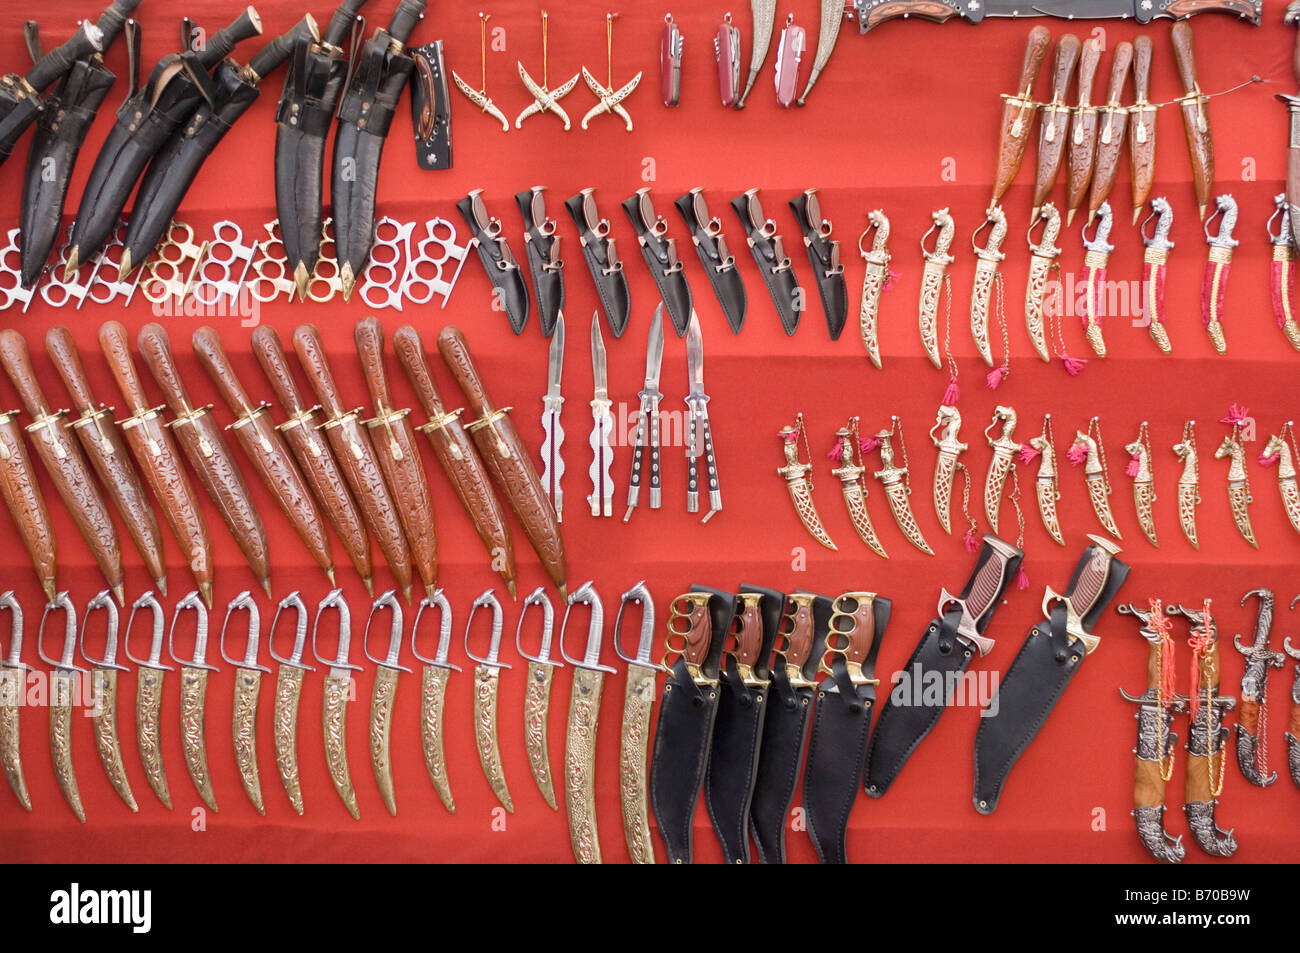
552 406
945 469
1047 493
487 682
11 757
801 496
1239 499
994 483
334 724
106 741
856 500
1100 497
61 748
248 684
1144 496
832 17
896 493
1290 499
433 693
537 704
764 13
980 297
873 282
1189 495
194 688
638 703
580 764
928 309
1035 293
288 692
381 733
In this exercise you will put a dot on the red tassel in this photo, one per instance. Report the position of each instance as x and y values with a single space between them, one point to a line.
1073 365
1022 579
891 277
1077 453
789 436
1028 453
836 452
1156 277
1269 459
1207 287
953 393
1134 465
1237 414
970 541
996 377
869 444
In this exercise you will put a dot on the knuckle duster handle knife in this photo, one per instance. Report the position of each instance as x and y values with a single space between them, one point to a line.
1196 117
639 697
824 256
1214 283
356 457
537 695
1113 122
338 690
208 454
498 260
647 423
63 679
600 252
12 676
699 449
457 456
433 694
1054 122
288 694
1155 267
150 674
715 257
580 737
64 462
1252 716
934 277
601 498
487 689
1018 113
248 687
264 446
874 281
388 669
1042 258
660 255
768 251
194 690
542 247
104 712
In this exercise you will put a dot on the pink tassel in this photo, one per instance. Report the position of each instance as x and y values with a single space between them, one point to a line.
1028 454
1073 365
970 541
1237 414
869 444
789 436
996 376
1269 459
1022 579
891 277
953 393
1134 465
1077 453
836 452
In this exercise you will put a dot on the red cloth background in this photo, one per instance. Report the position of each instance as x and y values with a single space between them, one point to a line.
892 108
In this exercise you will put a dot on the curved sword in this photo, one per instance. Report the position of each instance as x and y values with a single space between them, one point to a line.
104 714
194 688
634 739
537 696
833 13
288 692
487 686
382 697
248 684
12 675
338 690
433 693
150 674
62 692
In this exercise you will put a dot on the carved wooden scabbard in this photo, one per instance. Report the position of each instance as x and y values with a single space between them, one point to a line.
1082 149
1041 258
873 282
433 695
1112 123
1054 122
932 278
1018 113
1196 117
1142 127
22 495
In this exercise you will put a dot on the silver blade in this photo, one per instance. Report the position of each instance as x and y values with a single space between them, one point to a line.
555 363
598 358
654 352
695 355
1074 9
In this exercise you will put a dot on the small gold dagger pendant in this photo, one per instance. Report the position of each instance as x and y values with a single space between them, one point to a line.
1280 452
1005 449
1144 493
945 436
933 277
479 97
11 684
873 282
1189 483
850 473
898 488
1087 450
797 478
1042 257
1239 498
1047 482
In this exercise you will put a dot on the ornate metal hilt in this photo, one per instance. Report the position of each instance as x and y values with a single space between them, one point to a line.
292 601
340 662
244 600
439 660
586 595
103 600
192 601
154 661
493 658
392 659
543 657
640 595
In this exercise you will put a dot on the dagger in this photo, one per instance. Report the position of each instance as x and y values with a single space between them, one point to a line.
580 738
431 107
433 692
798 481
64 463
1096 257
1239 497
774 265
1054 123
1196 117
487 688
1156 741
1018 114
1004 450
12 677
898 488
1144 494
352 449
1214 282
552 406
989 258
1293 727
337 691
934 279
1189 488
26 503
22 100
824 256
764 18
459 460
1292 18
600 252
248 683
874 12
1047 481
208 454
1155 265
172 171
1042 258
715 257
1279 451
311 452
365 114
384 694
150 673
647 420
145 122
63 681
1113 121
1252 717
634 738
601 497
506 459
660 255
288 693
537 696
542 246
1087 450
104 714
509 288
547 100
1081 152
399 459
194 688
1282 270
1142 127
873 281
853 487
833 15
946 437
264 446
1087 587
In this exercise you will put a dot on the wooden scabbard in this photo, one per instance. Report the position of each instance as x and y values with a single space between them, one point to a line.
1195 110
1112 123
1054 121
1018 113
1083 131
26 505
1142 127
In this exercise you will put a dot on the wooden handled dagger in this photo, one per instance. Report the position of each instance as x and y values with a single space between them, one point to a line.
1018 113
1082 149
1196 117
26 503
1054 122
1113 120
1142 127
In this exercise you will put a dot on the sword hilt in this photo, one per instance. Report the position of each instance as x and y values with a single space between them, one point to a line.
409 13
87 40
248 24
112 20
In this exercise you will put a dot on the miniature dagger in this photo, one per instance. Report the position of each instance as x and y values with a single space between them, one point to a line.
715 257
1047 481
848 450
337 691
433 693
1087 449
1054 122
1280 451
874 281
601 497
194 689
1239 497
1113 121
479 97
537 696
1144 493
487 688
647 421
898 485
671 47
934 281
1042 259
1018 114
104 713
824 257
388 670
12 678
634 738
1252 716
1142 127
699 447
946 437
799 483
1196 117
660 255
1005 449
987 279
288 692
768 251
1097 256
150 674
248 685
63 680
1082 149
545 99
1155 265
552 406
1214 282
26 503
1189 482
609 99
1282 270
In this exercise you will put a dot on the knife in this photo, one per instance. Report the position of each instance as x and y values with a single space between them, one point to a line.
634 738
387 671
248 685
150 674
63 680
660 254
12 677
647 421
288 693
700 434
773 263
545 265
537 696
194 690
104 711
487 689
716 258
552 405
433 693
508 286
602 482
824 256
601 255
338 691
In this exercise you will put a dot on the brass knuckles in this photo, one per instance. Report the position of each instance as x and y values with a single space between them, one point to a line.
168 279
679 614
270 272
326 280
390 256
11 282
834 634
228 257
55 291
437 250
106 288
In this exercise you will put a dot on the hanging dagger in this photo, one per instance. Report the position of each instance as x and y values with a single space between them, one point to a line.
1280 451
715 257
934 280
1042 258
945 435
1252 717
1189 482
798 480
150 674
1155 264
1214 283
610 100
1282 270
387 671
1004 452
542 246
288 693
1047 482
601 497
1096 257
660 255
194 690
1239 498
987 278
1054 122
1081 152
365 115
63 680
487 688
479 97
337 691
1156 740
874 281
552 406
26 503
764 18
545 99
773 263
824 257
848 451
1293 726
601 254
1018 114
1087 449
1113 121
1196 117
634 737
1144 494
248 686
22 98
537 695
103 675
1142 127
898 485
12 677
433 693
508 286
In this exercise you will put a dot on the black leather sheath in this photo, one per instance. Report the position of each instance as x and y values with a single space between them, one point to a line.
545 265
660 255
773 264
828 271
606 269
500 264
719 264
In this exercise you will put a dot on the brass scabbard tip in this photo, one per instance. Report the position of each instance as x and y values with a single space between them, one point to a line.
564 592
406 592
1069 216
1202 210
51 591
1033 213
347 280
161 583
369 583
266 587
205 590
74 262
1137 213
301 280
510 588
123 269
119 593
329 574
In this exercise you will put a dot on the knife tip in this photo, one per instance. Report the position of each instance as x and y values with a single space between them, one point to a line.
123 269
406 592
1033 213
510 588
348 280
266 587
369 583
161 583
329 574
564 591
1069 217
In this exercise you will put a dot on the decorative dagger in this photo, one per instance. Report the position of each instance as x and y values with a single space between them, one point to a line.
1087 449
799 483
104 713
353 451
1018 114
1142 127
1189 482
387 671
945 435
699 447
537 696
433 693
715 257
1113 119
63 681
1214 283
1280 451
545 99
313 455
1054 122
508 285
768 251
824 257
1293 727
601 254
898 485
1155 265
934 279
1156 741
580 738
833 15
1144 494
22 99
337 691
1282 270
552 406
726 50
150 674
1252 717
660 255
1081 152
790 48
288 693
1239 498
1004 452
194 689
1292 195
848 450
609 99
12 669
874 281
647 421
479 97
1047 483
1096 257
872 13
264 446
764 18
638 703
487 688
248 685
65 464
601 497
1042 258
25 502
208 454
542 246
987 277
1196 117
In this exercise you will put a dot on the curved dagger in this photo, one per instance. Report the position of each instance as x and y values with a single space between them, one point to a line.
1047 483
873 282
852 487
1144 493
1041 258
288 692
1097 480
937 261
383 696
824 258
1252 717
487 685
1282 268
1004 450
1113 119
1239 498
580 738
1189 485
194 687
150 674
1018 113
1196 118
1096 256
12 677
63 681
1142 127
796 474
104 673
248 684
537 696
833 14
544 100
1214 283
483 101
1054 122
433 693
986 273
1155 264
1278 451
764 14
1293 727
610 99
334 701
945 435
897 490
1082 149
634 739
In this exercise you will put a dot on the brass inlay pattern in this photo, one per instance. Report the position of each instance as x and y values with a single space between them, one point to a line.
486 685
381 733
432 696
334 724
106 742
288 692
148 729
248 684
580 764
537 698
638 702
194 687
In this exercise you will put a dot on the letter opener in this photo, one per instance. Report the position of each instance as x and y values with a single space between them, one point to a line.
63 681
104 713
634 738
537 695
647 421
602 482
433 693
384 694
150 673
337 692
288 693
487 688
12 678
194 689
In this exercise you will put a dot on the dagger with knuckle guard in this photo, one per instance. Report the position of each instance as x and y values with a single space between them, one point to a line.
433 694
387 671
660 254
1252 716
487 689
337 692
12 678
104 712
634 737
150 676
248 685
194 690
537 696
63 682
288 693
